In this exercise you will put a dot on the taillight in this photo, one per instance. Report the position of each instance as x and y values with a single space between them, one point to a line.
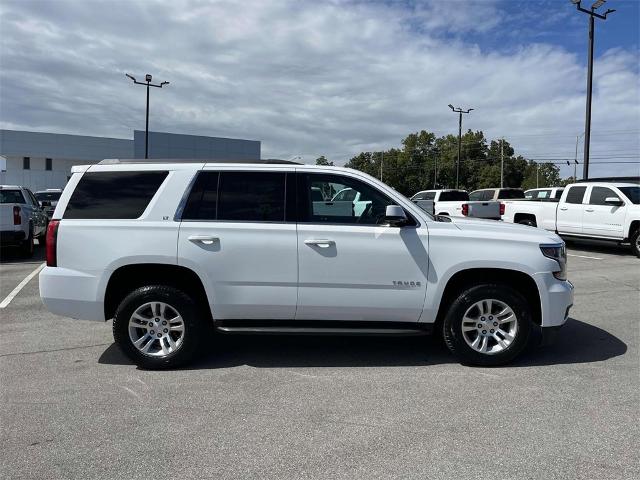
52 240
17 219
501 208
465 209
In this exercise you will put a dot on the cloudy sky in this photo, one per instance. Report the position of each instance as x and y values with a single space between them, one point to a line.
330 78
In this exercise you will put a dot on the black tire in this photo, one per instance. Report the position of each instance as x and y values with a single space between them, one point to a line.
452 325
529 222
635 245
27 247
193 322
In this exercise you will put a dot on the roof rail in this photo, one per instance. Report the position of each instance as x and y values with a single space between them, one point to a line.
115 161
611 179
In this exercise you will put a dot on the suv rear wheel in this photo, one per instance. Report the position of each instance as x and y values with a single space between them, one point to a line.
158 327
487 325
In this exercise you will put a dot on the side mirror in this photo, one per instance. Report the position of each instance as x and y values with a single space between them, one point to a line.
613 201
394 216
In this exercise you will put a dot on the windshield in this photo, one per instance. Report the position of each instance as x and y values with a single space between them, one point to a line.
632 193
48 196
11 196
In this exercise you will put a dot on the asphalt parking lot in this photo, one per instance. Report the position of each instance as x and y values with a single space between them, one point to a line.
292 407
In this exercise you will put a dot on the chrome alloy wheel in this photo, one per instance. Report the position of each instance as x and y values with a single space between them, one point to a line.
156 329
489 326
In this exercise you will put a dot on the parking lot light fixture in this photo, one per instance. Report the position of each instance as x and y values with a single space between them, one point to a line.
147 81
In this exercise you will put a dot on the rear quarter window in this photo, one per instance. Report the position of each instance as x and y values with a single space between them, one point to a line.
113 195
11 196
510 194
454 196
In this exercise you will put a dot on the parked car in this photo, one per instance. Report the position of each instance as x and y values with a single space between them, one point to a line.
455 203
48 199
21 218
544 194
168 249
600 210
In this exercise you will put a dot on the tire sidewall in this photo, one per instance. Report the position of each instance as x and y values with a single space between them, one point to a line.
178 300
453 324
634 239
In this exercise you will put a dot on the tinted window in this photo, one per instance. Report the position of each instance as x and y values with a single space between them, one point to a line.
454 196
598 194
427 196
11 196
48 164
511 193
368 209
477 195
26 163
203 198
251 196
632 193
121 195
575 194
558 193
48 196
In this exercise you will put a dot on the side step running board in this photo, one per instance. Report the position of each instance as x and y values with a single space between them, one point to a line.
320 331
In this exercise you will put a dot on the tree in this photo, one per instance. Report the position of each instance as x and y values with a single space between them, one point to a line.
323 161
541 175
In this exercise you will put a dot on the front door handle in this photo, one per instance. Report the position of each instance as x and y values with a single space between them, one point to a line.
588 209
204 239
322 243
564 208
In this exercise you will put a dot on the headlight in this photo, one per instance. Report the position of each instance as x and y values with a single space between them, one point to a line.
557 252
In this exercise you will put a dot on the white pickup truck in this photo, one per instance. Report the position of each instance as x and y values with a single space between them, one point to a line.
599 210
21 218
170 250
455 203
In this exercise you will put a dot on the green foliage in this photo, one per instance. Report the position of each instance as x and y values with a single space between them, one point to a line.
426 161
323 161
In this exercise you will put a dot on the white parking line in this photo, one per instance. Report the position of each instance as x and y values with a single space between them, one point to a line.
20 286
583 256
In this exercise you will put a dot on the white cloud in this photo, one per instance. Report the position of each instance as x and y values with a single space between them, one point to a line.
308 78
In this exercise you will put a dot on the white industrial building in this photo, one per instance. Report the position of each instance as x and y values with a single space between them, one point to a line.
40 160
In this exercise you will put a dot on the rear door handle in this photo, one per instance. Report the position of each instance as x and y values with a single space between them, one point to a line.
204 239
588 209
322 243
564 208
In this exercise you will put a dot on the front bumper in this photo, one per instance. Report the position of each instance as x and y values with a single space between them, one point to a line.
556 298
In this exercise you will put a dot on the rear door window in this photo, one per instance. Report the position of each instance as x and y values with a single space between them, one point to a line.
251 196
113 195
575 194
478 195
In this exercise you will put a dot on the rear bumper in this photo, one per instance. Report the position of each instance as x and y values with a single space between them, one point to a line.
556 298
71 293
11 237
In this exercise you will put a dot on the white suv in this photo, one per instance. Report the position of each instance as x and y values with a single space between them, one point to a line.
169 249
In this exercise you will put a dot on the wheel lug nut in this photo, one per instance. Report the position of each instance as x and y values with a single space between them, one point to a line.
491 331
159 335
164 322
479 325
152 332
495 324
165 330
484 332
490 318
482 318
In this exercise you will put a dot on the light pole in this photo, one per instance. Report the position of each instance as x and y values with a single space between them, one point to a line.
575 165
587 124
460 111
147 82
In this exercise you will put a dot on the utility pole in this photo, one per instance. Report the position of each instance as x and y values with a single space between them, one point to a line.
381 162
575 164
147 82
537 174
587 124
502 163
460 111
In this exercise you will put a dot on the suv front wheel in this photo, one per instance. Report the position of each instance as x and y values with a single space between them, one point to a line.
487 325
158 327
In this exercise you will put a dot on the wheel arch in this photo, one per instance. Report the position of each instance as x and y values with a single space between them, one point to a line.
635 225
524 216
462 279
127 278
